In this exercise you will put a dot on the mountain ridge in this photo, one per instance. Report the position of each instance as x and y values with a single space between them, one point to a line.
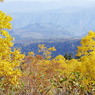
53 23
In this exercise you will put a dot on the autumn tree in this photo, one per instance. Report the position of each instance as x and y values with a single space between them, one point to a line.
87 45
9 59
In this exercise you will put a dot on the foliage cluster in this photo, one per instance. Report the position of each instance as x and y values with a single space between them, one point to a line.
9 59
44 75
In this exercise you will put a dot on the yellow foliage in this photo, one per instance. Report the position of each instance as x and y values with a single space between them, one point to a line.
52 49
41 46
31 53
87 45
9 60
46 51
76 73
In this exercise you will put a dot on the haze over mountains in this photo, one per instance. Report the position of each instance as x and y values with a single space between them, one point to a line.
49 20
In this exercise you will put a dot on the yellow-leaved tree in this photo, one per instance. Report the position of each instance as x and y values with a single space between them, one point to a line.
87 57
87 45
9 59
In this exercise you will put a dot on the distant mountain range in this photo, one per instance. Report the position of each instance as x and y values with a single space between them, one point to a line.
53 24
49 21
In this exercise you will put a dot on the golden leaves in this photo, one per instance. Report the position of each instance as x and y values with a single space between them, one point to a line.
5 21
87 44
9 60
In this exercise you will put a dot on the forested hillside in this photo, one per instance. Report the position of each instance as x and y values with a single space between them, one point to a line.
63 46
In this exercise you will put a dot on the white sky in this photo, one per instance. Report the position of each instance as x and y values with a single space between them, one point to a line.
32 0
64 2
46 4
54 0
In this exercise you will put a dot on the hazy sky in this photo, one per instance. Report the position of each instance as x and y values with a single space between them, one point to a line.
69 1
64 2
33 0
12 5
